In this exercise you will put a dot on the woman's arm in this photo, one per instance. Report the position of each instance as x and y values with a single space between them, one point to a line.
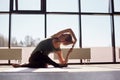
60 57
64 31
70 50
67 56
60 32
73 35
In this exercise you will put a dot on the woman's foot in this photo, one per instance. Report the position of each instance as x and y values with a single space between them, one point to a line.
16 65
63 65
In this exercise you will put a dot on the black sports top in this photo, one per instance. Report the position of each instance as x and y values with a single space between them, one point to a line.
46 47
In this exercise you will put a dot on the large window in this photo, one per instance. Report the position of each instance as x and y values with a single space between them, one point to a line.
93 21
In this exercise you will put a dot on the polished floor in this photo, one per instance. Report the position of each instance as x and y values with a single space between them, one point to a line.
70 68
72 72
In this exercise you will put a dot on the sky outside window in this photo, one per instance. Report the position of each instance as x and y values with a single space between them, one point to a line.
58 22
117 30
4 22
96 31
101 6
117 5
62 5
4 5
29 4
31 26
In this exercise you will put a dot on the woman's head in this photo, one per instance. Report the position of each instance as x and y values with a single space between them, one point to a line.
66 39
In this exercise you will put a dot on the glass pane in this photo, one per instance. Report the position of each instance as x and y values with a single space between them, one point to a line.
27 30
95 6
29 4
4 27
4 5
60 22
62 5
96 31
117 5
96 34
117 37
117 30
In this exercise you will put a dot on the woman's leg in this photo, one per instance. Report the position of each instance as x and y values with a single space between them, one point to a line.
42 59
31 65
34 65
50 61
38 60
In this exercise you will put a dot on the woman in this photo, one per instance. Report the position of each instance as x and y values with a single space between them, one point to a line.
39 57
